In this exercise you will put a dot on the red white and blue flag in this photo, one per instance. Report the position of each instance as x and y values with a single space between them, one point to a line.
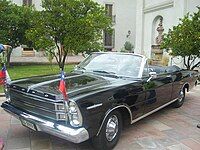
62 86
4 76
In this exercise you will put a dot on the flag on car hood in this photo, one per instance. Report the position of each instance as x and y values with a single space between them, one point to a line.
62 86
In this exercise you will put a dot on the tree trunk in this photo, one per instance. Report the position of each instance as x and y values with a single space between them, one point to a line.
196 65
188 62
8 55
63 62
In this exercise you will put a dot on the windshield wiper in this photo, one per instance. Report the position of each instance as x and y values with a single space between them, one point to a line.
79 67
102 71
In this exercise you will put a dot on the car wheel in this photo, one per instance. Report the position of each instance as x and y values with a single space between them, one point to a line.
180 99
110 132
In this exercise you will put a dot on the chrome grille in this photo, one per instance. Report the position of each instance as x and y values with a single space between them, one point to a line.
35 105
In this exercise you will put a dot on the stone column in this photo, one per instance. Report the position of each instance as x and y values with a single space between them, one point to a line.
139 27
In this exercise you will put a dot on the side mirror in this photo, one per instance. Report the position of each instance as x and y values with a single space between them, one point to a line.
153 75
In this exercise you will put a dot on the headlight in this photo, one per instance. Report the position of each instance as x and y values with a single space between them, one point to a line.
75 117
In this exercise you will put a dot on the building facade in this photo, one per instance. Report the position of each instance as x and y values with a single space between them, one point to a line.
148 14
137 21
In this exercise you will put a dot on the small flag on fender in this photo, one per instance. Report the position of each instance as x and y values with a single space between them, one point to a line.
62 86
4 76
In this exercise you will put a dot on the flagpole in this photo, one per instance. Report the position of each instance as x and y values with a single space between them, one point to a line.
66 112
65 102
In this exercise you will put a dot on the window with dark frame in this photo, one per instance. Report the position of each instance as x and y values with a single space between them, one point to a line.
109 40
109 9
109 37
27 2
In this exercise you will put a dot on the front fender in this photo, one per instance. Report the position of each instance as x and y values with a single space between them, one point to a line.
111 110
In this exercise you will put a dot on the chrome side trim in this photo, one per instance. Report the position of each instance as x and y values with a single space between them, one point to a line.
151 112
137 119
94 106
109 111
188 86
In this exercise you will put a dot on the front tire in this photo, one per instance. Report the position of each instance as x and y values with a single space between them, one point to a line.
110 132
180 99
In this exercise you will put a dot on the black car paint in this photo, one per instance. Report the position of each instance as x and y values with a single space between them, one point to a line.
88 89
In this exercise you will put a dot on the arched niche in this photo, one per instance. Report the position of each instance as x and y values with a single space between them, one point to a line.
156 40
154 32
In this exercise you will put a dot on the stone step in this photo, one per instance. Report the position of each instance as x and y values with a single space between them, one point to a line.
28 53
156 62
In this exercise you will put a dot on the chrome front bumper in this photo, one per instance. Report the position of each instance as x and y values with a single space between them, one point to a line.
73 135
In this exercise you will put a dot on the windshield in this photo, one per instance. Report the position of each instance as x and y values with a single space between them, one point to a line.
112 63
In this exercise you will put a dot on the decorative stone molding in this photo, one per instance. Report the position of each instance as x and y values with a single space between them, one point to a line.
160 30
159 6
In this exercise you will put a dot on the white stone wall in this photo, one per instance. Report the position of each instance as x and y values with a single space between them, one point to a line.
17 52
18 2
125 12
191 5
38 4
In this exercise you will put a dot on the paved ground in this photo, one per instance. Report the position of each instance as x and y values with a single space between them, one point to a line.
70 59
171 129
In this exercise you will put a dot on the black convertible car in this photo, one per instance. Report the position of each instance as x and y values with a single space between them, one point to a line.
105 91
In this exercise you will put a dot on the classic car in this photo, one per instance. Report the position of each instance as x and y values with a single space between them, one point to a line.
105 91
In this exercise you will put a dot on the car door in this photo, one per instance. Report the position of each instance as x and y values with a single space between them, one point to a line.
158 91
177 80
132 95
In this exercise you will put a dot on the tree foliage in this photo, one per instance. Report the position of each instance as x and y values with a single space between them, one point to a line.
14 22
68 26
184 40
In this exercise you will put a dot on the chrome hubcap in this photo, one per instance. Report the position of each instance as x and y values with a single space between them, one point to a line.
112 128
181 96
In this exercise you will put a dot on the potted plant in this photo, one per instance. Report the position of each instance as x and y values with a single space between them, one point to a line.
128 47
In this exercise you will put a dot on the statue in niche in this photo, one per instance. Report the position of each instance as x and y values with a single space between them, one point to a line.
157 53
160 30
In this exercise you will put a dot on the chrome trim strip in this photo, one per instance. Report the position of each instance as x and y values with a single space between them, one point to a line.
94 106
75 135
137 119
151 112
60 113
134 54
109 111
144 60
59 104
12 82
188 86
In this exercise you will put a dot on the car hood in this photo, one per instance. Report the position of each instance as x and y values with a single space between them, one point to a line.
76 84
